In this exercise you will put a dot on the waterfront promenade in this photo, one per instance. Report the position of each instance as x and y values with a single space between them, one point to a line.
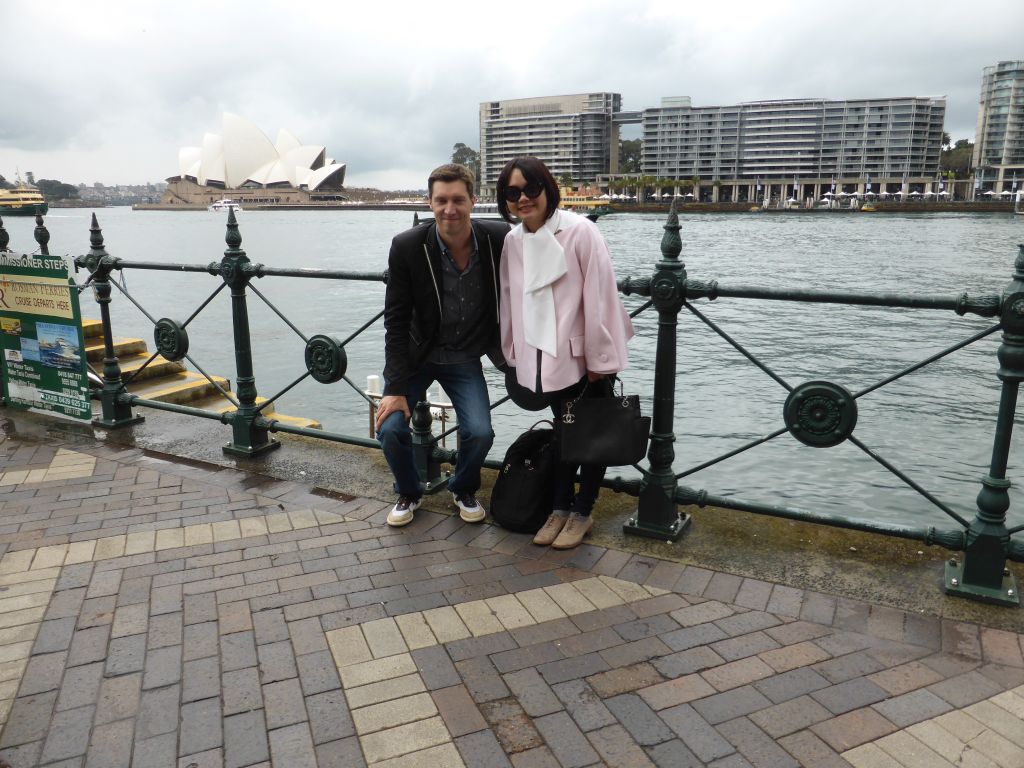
162 611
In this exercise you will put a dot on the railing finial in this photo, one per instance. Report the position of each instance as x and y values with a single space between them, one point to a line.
671 243
233 237
42 235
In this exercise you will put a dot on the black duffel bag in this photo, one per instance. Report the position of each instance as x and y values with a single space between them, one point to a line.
522 494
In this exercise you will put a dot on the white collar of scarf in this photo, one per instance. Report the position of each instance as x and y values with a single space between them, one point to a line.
543 264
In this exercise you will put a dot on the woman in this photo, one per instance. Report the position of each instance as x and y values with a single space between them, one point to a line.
563 326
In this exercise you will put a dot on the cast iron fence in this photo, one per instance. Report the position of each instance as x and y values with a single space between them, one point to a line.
818 413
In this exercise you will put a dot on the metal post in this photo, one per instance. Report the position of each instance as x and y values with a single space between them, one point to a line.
983 574
113 413
425 451
248 439
657 515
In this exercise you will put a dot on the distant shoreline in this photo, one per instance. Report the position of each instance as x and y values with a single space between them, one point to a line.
880 207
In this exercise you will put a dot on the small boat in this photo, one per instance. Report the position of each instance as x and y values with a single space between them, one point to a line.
225 205
23 200
868 208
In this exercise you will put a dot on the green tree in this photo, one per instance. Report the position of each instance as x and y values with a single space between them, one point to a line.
958 158
5 184
52 189
467 156
565 180
629 155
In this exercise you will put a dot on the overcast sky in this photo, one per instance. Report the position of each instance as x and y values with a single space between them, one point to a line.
109 91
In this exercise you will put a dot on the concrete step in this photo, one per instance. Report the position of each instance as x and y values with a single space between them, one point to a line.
94 349
92 328
181 388
130 364
220 405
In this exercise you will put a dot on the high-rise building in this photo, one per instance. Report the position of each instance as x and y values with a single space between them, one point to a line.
800 146
999 139
574 135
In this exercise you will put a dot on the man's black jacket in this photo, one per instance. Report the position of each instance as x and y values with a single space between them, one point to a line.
412 303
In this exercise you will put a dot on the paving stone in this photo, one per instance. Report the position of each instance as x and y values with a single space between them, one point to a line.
165 630
624 679
212 758
119 698
163 667
755 745
641 721
43 673
696 733
201 726
307 635
54 635
241 690
458 710
731 704
154 706
200 679
811 751
238 650
673 754
481 679
790 716
284 704
329 717
853 729
912 708
849 695
965 689
791 684
538 757
28 719
583 704
343 753
23 754
566 741
691 637
569 669
81 686
616 748
277 661
88 645
317 672
111 746
245 739
157 752
435 667
533 693
68 734
482 748
126 655
513 728
485 645
848 667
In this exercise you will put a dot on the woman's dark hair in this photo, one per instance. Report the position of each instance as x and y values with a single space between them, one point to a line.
533 170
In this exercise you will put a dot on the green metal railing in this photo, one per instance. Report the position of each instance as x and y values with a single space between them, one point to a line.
818 413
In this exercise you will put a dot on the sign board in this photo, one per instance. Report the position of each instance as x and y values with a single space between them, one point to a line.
41 336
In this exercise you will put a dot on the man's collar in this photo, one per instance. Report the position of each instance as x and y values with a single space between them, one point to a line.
443 246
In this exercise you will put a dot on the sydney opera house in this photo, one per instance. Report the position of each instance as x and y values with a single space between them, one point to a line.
243 164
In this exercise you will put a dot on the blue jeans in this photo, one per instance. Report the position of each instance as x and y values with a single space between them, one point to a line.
465 386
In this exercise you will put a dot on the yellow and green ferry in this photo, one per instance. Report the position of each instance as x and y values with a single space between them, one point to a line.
23 200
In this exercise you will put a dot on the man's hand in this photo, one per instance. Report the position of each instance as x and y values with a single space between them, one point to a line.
390 404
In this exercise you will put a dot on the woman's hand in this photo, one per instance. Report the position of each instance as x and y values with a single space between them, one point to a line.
592 377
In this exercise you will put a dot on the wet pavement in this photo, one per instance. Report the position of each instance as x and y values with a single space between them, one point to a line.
166 611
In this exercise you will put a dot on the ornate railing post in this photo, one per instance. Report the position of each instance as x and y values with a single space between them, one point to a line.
113 413
248 439
657 515
4 237
426 453
983 574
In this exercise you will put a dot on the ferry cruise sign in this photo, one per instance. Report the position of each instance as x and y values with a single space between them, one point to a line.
41 336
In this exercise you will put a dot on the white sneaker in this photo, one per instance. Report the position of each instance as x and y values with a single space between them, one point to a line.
470 510
401 514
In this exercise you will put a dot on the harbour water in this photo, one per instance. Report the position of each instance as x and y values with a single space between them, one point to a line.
936 425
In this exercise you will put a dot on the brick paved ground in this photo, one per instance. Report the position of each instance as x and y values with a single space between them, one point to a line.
159 614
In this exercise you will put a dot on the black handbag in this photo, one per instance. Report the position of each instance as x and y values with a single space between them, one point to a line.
522 494
604 431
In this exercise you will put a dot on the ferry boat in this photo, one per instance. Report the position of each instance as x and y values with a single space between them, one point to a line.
23 200
225 205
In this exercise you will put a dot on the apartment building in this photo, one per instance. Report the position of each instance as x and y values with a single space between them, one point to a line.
797 147
999 139
574 134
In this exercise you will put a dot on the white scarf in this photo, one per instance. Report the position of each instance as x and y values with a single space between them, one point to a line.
543 264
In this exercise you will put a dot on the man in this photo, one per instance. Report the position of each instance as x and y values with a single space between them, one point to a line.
440 316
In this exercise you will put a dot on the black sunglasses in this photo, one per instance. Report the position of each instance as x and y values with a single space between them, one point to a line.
532 190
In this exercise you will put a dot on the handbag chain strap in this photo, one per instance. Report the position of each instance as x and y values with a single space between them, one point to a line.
568 417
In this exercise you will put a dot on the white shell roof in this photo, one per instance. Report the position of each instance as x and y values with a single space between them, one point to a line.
244 154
